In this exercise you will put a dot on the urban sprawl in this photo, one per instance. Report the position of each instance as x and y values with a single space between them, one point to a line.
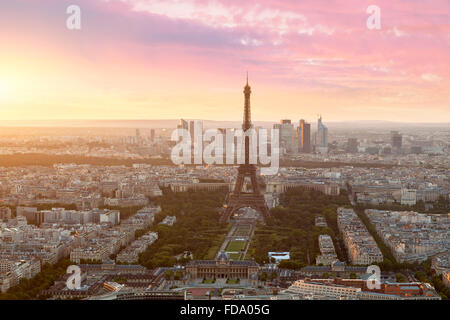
99 214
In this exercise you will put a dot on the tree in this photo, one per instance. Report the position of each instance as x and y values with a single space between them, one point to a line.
273 275
168 275
197 228
400 278
32 288
178 275
263 277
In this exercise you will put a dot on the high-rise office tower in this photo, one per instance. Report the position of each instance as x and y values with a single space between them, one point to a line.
138 136
287 135
397 139
352 145
322 134
304 136
152 135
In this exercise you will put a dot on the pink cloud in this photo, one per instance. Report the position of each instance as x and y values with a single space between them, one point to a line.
310 45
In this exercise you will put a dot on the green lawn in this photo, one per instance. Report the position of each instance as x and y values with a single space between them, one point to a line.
233 281
211 253
242 231
234 256
208 281
236 245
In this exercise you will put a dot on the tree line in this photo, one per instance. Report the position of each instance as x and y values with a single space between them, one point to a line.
196 230
291 227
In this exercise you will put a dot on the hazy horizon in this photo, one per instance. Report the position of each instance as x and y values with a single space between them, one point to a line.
168 123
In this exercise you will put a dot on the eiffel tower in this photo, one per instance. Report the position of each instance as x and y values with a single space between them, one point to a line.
238 198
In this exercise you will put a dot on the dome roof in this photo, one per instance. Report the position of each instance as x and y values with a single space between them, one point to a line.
223 256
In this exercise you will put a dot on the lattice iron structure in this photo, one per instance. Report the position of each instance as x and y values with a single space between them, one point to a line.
238 198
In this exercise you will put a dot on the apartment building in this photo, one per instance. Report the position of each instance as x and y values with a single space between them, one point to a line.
361 246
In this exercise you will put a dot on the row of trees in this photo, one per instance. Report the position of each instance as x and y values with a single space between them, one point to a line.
426 274
423 271
440 206
389 262
125 212
32 288
40 159
335 164
170 275
291 227
43 206
196 230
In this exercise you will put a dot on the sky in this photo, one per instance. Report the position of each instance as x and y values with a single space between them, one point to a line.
169 59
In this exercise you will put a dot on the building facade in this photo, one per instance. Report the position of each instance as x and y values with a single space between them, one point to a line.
304 136
222 268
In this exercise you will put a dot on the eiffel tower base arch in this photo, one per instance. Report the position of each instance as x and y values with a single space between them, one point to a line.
239 199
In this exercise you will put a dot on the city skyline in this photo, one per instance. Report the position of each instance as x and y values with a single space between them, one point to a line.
232 153
127 60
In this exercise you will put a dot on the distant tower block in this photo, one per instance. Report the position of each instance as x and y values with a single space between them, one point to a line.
238 198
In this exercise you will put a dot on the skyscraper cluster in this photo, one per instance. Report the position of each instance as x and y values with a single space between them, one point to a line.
293 140
299 140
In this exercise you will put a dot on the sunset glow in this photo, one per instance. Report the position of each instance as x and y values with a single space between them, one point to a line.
160 59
